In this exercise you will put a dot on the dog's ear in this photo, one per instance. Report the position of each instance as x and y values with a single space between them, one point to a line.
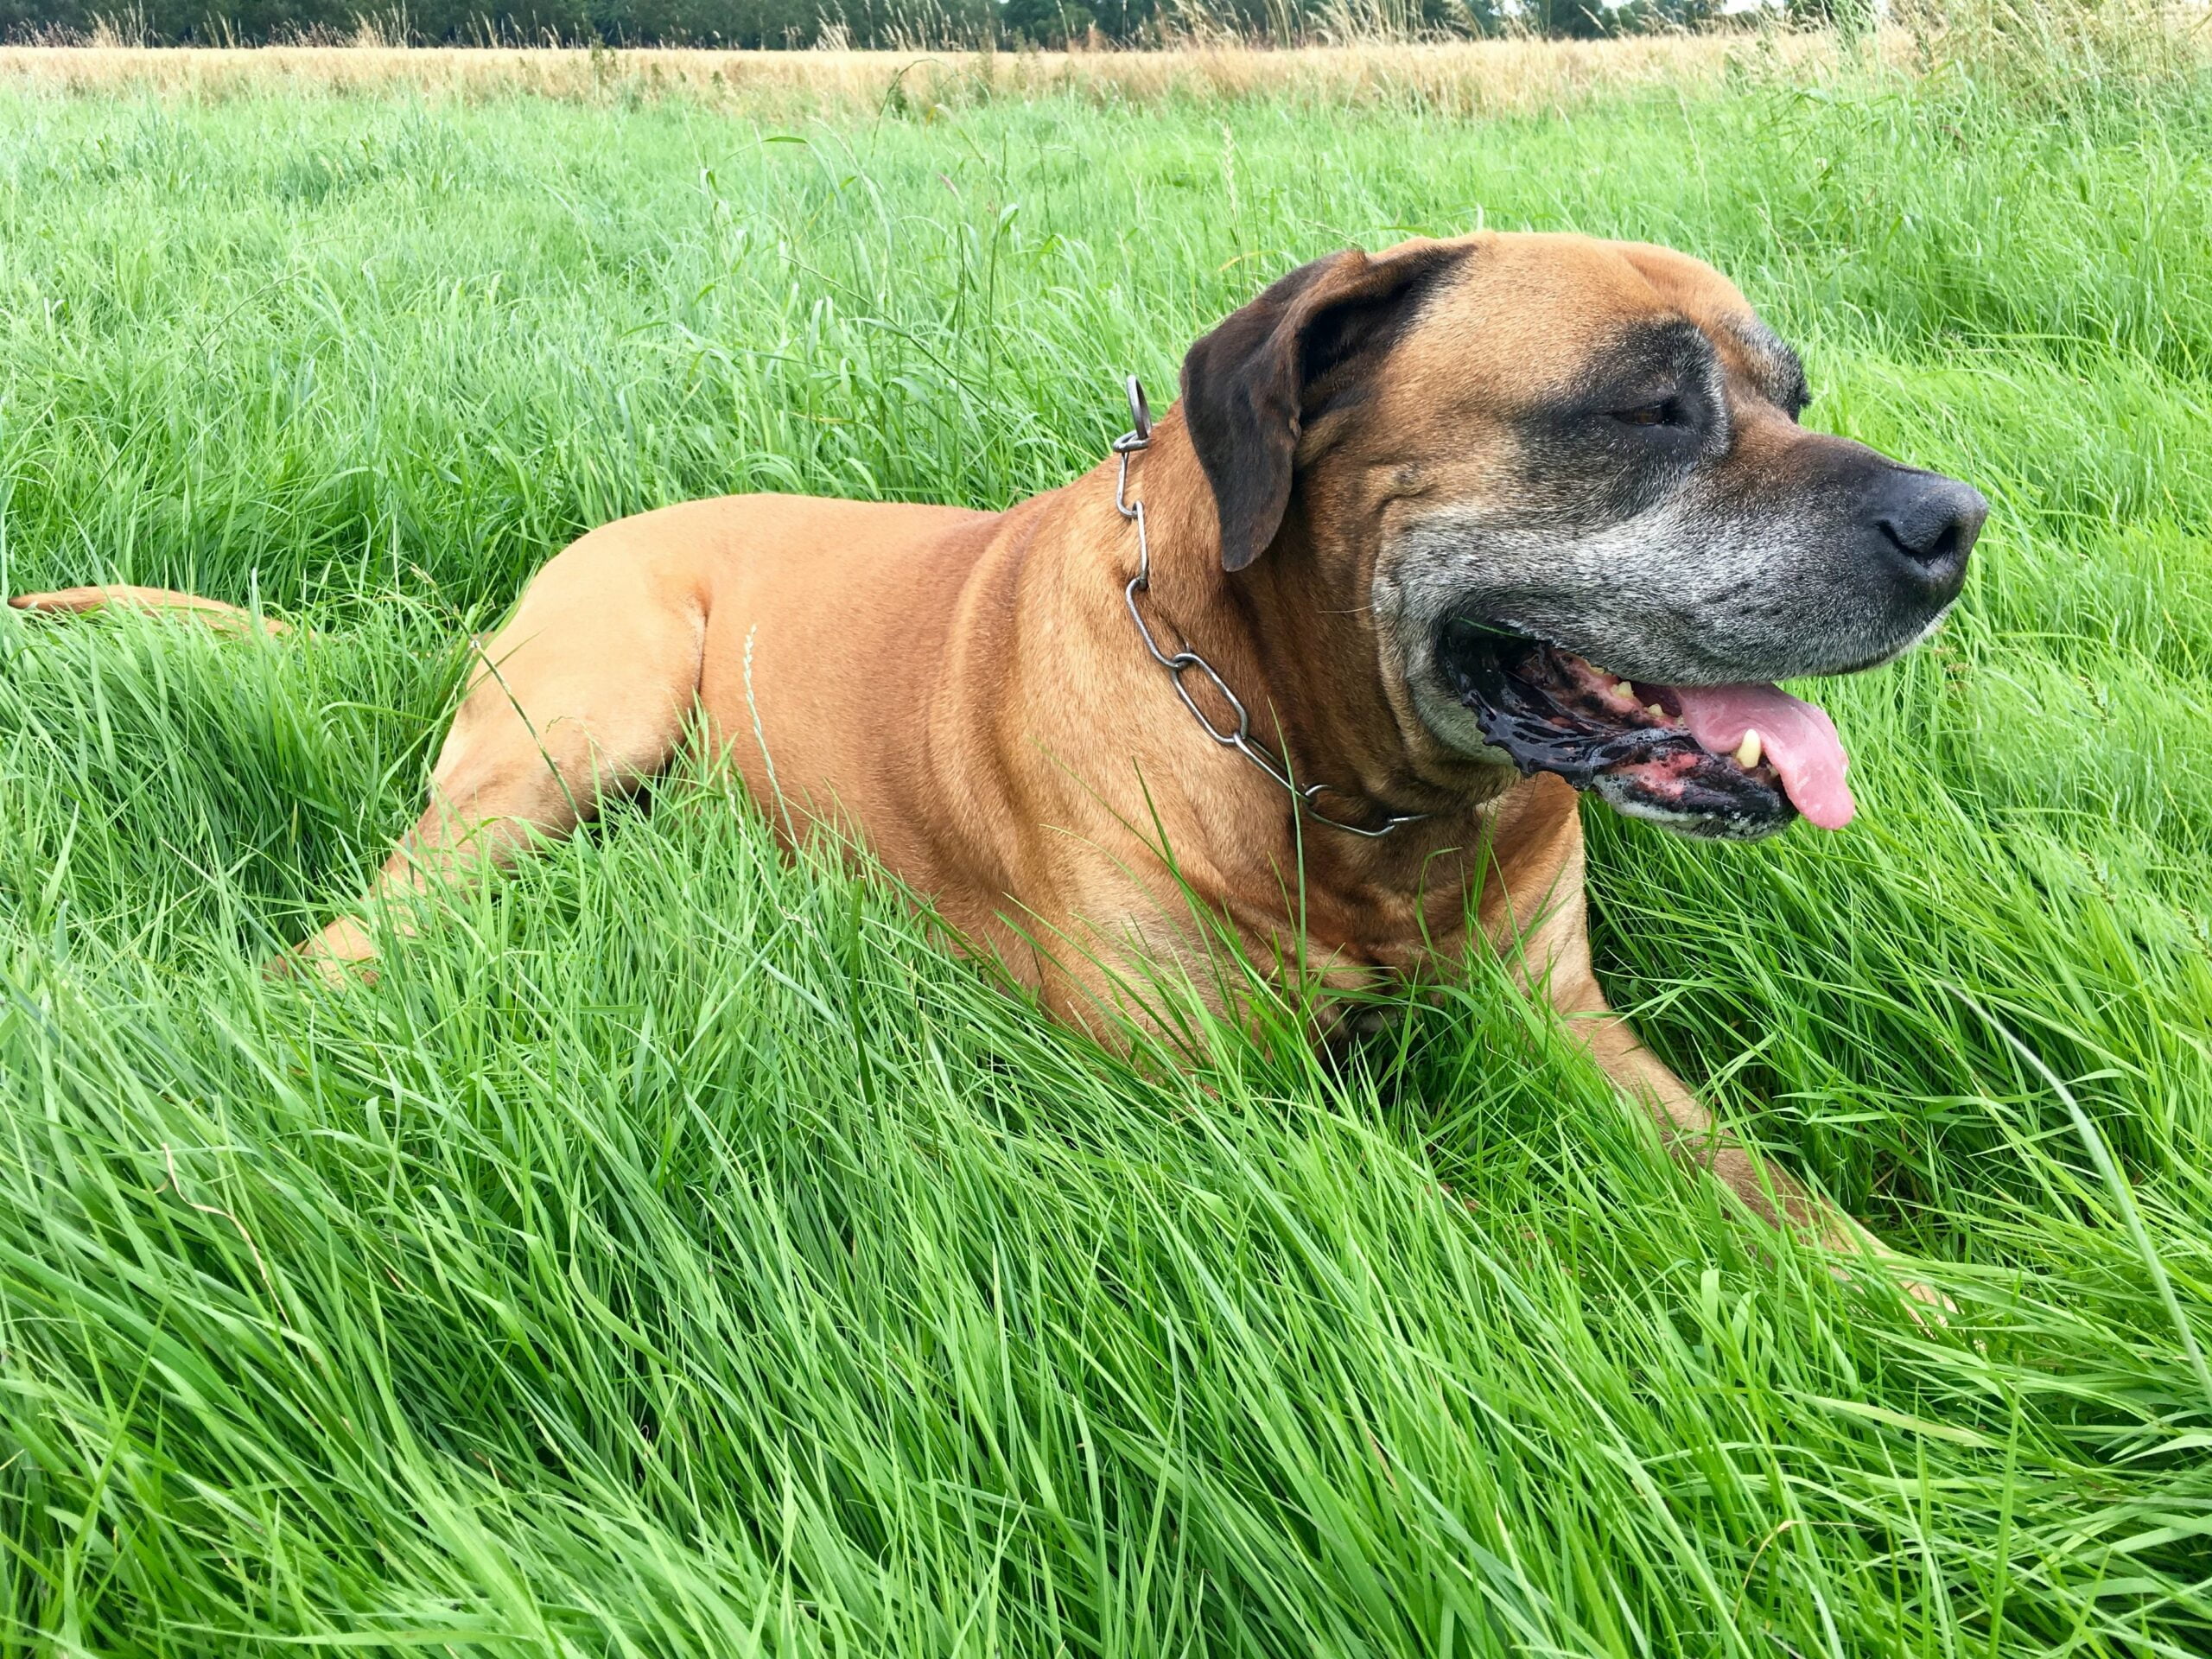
1248 385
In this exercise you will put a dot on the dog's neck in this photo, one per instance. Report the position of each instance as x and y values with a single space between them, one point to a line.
1295 634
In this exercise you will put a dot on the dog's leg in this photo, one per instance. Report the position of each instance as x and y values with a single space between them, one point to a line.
1686 1126
1555 955
1688 1130
585 693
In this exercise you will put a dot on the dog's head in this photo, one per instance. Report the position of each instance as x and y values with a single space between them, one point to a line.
1567 478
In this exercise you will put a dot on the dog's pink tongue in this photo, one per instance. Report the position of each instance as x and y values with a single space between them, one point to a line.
1798 737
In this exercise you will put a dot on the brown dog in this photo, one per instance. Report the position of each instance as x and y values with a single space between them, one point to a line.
1406 504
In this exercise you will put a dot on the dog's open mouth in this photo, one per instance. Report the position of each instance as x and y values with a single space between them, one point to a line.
1732 761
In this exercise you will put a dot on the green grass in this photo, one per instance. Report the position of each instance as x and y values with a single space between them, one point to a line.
678 1251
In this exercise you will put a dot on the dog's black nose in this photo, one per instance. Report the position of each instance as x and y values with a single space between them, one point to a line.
1929 522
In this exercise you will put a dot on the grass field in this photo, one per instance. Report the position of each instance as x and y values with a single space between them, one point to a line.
677 1251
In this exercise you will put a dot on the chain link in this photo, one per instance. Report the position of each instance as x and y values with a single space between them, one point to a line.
1185 661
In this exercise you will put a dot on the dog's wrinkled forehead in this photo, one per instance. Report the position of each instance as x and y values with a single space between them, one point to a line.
1561 320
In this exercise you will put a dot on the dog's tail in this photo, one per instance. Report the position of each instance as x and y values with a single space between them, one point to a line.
227 618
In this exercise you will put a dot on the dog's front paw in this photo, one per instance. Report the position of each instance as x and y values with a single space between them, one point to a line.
342 954
1927 1304
1869 1262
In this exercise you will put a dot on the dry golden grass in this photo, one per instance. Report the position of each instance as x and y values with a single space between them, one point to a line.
1472 76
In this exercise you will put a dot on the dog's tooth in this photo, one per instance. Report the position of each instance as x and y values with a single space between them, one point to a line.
1749 751
1657 711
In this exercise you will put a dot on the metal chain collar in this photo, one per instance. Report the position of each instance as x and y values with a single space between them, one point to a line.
1183 661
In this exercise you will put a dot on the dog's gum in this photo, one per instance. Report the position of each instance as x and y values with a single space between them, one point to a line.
1550 710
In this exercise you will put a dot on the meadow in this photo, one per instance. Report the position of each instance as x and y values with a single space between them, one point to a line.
681 1250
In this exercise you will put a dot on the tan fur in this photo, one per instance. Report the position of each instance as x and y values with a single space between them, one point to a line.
229 619
964 691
